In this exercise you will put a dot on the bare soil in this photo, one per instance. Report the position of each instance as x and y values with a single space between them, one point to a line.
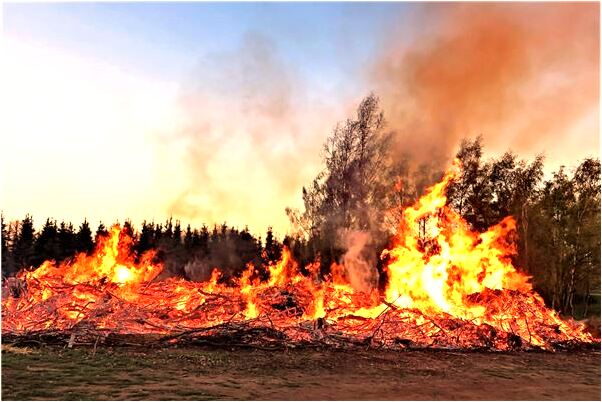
198 373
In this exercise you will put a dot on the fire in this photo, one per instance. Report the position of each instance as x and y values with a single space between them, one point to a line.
448 286
435 271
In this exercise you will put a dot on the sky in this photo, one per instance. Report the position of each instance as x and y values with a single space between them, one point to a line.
212 112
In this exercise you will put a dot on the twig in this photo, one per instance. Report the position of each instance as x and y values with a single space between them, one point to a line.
71 340
95 343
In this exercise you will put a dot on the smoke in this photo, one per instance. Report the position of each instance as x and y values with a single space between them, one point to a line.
250 139
223 255
524 75
359 260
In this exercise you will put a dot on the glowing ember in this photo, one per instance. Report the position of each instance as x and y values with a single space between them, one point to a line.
448 286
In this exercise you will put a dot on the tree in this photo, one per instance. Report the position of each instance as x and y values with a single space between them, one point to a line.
146 240
203 240
564 256
83 238
351 193
355 159
487 192
158 233
514 187
471 195
582 233
47 246
101 231
8 263
66 238
128 229
177 234
272 249
23 248
168 233
189 237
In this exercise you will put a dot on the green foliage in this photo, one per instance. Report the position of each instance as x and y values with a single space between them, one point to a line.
565 253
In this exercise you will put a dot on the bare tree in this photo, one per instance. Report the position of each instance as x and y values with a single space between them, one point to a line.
352 192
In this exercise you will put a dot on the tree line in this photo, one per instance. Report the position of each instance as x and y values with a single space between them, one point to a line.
188 253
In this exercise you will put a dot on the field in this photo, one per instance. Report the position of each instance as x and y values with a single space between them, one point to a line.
201 373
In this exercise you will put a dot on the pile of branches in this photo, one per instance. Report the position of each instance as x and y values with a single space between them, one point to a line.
259 333
217 319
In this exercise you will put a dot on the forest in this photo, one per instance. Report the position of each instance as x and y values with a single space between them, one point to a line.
354 202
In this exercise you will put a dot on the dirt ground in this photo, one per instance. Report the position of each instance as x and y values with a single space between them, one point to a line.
197 373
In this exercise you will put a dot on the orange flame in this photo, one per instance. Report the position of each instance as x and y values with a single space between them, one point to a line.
463 262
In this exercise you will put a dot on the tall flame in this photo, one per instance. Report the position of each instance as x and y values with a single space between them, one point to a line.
436 271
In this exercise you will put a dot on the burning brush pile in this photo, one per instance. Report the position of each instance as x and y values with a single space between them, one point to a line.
448 287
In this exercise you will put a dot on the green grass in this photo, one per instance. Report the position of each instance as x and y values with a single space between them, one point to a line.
78 374
200 374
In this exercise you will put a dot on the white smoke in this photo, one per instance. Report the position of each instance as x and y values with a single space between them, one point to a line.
359 263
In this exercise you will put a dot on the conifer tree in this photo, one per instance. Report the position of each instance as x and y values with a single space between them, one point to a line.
83 238
24 244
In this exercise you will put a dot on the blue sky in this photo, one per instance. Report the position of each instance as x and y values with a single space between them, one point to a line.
332 40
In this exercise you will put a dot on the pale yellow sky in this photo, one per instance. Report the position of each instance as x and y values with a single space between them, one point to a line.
83 139
77 137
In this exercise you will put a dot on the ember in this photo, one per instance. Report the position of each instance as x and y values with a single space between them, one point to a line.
448 287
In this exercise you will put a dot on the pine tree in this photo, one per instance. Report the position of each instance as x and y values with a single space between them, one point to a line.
177 234
146 238
24 244
66 237
47 245
8 266
188 238
128 227
168 234
157 234
83 238
272 248
214 238
101 231
204 240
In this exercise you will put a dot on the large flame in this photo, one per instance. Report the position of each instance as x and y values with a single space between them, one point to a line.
434 271
448 286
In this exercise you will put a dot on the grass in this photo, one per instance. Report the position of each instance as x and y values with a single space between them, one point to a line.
77 374
200 374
